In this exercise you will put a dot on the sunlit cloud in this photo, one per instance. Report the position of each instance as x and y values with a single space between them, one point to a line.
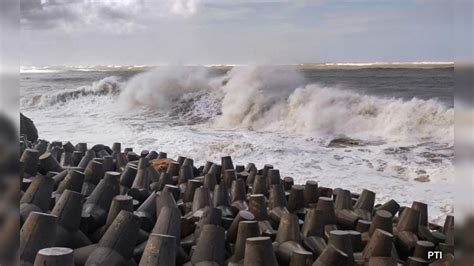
184 8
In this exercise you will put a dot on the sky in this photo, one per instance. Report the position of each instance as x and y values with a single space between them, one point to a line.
156 32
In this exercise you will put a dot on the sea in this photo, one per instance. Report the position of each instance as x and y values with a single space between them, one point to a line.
396 120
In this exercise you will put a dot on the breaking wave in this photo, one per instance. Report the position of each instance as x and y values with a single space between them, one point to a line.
188 94
265 98
262 99
106 86
334 111
272 98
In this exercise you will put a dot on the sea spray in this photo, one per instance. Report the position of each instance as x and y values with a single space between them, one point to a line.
255 94
188 95
161 88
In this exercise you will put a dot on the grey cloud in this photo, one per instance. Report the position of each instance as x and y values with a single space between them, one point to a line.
28 5
37 15
113 13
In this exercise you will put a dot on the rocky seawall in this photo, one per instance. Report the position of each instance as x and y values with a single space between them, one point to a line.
90 205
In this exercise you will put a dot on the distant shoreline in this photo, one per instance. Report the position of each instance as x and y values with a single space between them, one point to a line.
395 65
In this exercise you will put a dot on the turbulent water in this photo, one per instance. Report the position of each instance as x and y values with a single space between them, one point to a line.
402 118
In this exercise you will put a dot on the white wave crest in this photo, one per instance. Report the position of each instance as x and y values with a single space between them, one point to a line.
106 86
334 111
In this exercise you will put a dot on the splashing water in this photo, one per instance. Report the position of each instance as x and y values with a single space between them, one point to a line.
276 99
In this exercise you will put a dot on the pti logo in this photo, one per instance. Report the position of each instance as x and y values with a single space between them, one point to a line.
435 255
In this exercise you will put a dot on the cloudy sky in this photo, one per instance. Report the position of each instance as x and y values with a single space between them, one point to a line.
91 32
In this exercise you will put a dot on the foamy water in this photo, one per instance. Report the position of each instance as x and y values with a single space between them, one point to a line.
263 114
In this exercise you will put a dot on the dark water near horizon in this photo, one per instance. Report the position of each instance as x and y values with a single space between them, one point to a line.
437 83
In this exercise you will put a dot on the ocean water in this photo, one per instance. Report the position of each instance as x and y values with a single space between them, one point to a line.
401 116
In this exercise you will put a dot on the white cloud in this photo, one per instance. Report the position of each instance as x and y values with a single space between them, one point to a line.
184 8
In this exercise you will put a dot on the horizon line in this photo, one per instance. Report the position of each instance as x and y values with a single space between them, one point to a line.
252 64
84 67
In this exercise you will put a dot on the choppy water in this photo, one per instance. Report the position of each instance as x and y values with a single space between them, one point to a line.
284 116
